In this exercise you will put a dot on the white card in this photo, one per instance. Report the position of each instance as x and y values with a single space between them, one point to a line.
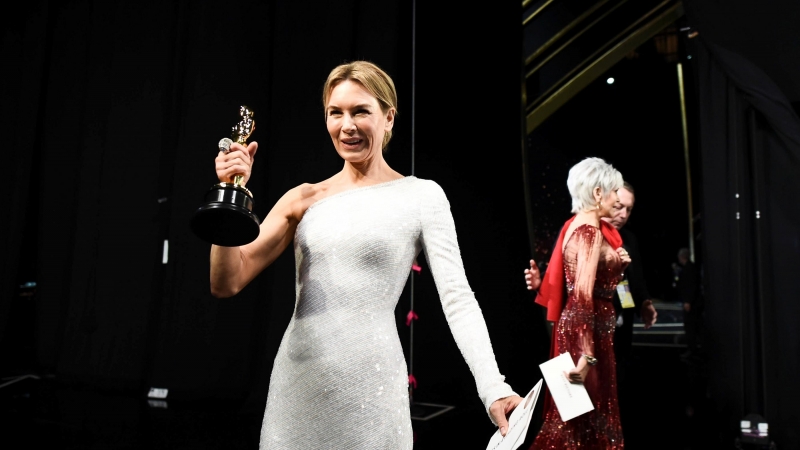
571 399
518 423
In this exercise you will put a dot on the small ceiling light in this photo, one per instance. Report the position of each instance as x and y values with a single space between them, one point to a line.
610 80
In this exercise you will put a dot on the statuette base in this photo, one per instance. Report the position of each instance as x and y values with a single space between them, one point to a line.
226 218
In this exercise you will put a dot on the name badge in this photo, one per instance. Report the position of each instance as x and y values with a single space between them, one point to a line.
625 297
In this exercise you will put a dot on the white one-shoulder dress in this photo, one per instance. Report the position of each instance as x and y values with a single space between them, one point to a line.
339 380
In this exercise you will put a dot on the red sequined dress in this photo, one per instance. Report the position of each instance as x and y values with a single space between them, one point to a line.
592 270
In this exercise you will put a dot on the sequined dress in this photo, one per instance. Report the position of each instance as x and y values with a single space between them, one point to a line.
586 325
339 380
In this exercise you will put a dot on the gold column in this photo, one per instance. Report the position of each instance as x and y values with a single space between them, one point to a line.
686 159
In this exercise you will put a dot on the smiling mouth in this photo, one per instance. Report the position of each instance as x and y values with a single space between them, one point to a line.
352 141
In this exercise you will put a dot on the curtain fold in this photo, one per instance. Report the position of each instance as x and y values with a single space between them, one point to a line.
750 145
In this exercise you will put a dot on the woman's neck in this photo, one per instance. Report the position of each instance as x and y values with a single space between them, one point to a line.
368 172
591 217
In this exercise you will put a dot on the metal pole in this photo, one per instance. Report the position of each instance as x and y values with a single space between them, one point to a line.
686 159
413 77
413 97
758 259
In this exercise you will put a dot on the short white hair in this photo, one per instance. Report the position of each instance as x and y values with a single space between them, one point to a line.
587 175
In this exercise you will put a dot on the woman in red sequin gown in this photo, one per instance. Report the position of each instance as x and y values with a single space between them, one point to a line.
591 260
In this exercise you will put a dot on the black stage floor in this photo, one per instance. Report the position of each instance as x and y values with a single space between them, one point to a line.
665 407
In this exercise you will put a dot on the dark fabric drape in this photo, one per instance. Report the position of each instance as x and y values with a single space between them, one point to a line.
115 109
22 85
112 112
750 144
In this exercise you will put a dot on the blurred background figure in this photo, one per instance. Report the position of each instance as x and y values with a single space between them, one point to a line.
689 294
638 300
632 283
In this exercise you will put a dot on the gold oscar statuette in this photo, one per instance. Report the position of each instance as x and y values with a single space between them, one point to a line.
226 218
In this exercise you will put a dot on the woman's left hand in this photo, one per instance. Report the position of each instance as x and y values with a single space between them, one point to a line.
501 409
579 373
624 256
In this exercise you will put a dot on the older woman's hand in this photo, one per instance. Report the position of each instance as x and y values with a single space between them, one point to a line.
624 256
237 161
579 373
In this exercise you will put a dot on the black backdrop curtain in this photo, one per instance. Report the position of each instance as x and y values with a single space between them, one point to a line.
111 113
750 144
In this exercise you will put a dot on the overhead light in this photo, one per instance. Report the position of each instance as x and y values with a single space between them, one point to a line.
610 80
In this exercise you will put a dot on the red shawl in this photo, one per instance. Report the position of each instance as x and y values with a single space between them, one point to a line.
551 292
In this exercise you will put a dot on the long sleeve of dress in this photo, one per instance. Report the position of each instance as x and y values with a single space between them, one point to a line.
586 248
460 307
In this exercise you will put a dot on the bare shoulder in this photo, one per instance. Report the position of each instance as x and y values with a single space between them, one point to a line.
301 197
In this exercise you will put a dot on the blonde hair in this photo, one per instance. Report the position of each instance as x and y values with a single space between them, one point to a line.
587 175
372 78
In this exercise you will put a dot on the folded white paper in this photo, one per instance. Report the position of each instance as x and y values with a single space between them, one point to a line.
518 423
571 399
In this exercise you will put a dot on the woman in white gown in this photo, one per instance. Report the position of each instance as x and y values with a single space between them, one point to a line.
339 380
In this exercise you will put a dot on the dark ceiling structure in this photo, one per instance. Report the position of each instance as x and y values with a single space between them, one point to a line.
766 33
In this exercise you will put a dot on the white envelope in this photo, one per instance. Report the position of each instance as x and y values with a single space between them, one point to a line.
571 399
518 423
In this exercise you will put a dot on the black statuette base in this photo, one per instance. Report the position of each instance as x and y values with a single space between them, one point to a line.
226 218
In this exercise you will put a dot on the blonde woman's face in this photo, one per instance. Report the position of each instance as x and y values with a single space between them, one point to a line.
356 122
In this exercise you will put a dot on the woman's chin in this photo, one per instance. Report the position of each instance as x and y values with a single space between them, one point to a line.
355 156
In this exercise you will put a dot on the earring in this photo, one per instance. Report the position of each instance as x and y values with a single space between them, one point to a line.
598 206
